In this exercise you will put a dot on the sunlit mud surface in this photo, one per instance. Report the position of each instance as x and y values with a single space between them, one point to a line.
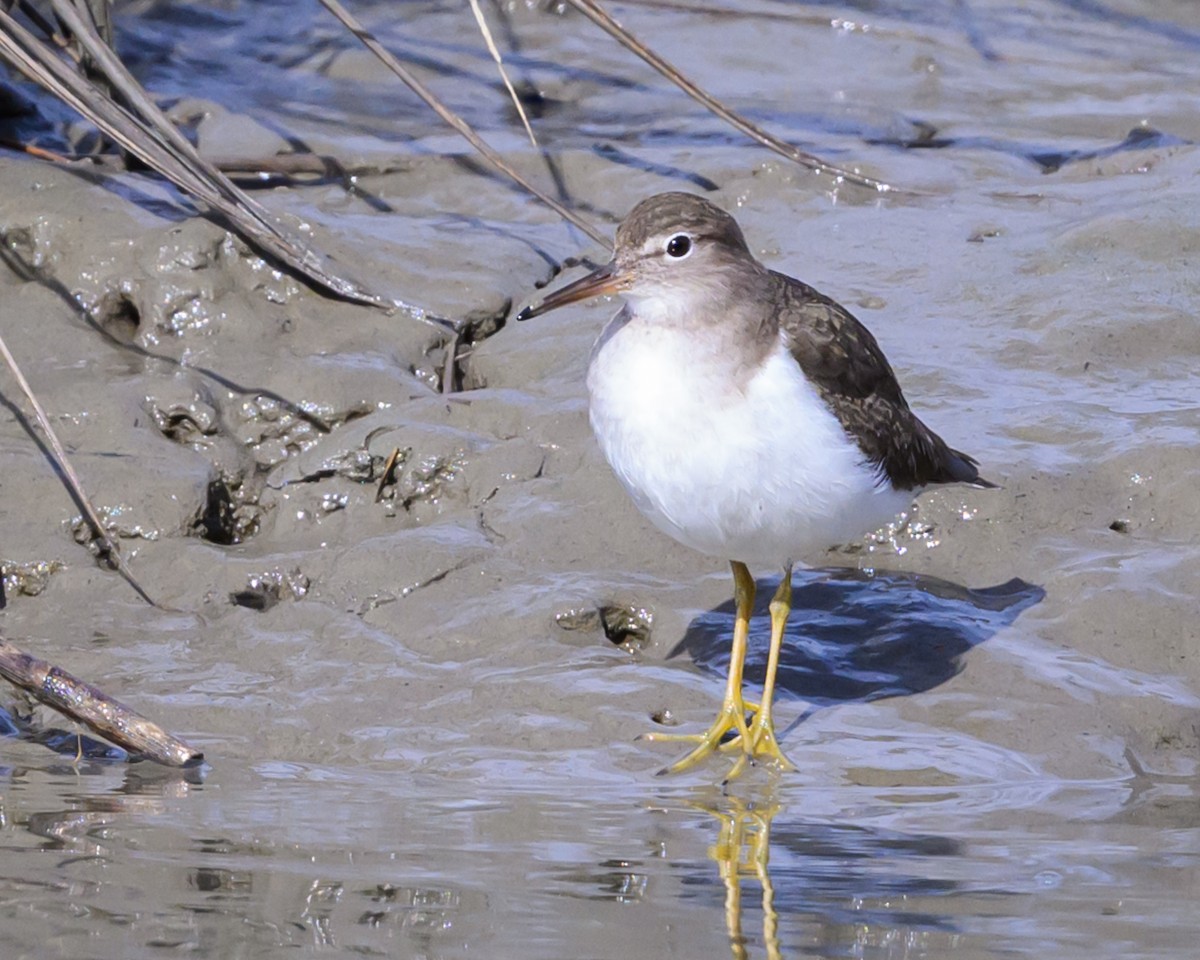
419 689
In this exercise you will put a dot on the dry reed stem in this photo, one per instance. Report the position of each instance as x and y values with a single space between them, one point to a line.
458 123
597 14
487 38
71 478
140 128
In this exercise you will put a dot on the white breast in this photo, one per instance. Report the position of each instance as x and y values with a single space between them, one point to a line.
755 471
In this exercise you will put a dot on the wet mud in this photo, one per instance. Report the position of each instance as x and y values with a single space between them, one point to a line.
416 681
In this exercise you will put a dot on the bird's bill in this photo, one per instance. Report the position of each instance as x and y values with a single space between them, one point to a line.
598 283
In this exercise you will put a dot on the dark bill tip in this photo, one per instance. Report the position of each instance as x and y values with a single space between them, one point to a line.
597 283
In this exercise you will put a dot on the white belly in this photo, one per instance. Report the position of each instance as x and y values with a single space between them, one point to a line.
758 472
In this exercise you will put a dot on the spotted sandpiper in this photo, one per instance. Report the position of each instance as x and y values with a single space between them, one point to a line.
750 417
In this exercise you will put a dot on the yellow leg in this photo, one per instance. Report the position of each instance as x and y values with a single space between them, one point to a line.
763 743
732 715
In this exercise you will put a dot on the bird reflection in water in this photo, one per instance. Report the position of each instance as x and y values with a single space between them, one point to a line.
743 852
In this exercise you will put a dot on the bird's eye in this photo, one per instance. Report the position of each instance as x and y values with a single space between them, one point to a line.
679 246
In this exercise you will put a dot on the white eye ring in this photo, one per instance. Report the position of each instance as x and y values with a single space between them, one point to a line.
679 246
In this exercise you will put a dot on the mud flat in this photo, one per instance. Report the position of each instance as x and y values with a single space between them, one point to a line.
401 698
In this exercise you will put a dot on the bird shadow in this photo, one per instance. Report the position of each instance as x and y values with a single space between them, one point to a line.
855 636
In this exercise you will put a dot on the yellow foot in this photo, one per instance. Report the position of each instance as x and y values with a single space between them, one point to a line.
731 718
756 743
733 743
764 746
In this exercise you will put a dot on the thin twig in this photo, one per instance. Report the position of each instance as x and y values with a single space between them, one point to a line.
73 483
81 701
594 12
788 14
34 151
454 120
389 473
487 38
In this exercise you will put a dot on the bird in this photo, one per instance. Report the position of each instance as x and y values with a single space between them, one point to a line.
751 418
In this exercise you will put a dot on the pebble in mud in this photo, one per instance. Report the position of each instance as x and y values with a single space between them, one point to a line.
28 579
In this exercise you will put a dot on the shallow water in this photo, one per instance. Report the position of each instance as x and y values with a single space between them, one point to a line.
109 865
420 738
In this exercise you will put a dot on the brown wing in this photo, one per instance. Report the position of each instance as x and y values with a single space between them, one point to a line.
840 356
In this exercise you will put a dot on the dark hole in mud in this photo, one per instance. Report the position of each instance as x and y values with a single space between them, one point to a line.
664 718
626 626
476 328
210 880
255 598
217 522
118 316
181 427
536 103
265 590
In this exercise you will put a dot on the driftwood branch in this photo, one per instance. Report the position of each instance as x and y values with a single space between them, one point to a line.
82 702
